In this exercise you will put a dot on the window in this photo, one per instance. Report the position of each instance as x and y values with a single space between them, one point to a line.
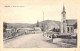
68 29
71 29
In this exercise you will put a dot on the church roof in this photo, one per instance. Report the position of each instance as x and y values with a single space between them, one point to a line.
71 21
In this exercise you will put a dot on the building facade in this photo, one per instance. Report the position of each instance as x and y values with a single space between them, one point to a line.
67 25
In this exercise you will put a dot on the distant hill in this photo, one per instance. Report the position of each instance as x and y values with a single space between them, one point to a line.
19 25
48 24
50 21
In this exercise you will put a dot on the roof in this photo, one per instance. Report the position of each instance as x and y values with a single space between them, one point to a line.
37 28
71 21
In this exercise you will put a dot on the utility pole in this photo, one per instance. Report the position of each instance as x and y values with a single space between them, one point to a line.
43 15
43 23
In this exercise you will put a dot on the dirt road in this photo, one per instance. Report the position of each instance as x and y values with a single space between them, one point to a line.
39 41
28 41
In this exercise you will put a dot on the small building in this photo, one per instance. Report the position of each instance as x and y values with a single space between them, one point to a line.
37 29
9 30
25 30
70 26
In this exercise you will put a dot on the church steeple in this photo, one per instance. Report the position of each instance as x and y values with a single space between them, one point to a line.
64 12
63 8
63 24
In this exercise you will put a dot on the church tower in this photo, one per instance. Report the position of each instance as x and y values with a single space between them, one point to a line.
63 23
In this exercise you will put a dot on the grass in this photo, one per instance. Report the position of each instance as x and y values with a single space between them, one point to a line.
65 43
70 41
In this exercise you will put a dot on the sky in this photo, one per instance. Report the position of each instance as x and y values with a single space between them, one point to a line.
32 10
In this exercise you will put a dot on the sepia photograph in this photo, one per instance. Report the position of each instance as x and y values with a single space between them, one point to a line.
40 23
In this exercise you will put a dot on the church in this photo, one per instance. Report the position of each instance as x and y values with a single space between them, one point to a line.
67 25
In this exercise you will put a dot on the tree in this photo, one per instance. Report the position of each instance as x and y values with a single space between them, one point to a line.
54 29
42 27
37 25
4 26
57 30
75 25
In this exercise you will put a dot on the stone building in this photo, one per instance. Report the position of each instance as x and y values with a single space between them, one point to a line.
67 25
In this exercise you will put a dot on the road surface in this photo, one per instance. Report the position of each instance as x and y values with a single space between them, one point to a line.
38 41
28 41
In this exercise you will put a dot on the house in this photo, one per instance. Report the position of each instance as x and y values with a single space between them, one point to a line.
70 26
25 30
37 29
9 31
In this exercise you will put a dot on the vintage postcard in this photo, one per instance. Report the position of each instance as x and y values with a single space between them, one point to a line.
39 25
